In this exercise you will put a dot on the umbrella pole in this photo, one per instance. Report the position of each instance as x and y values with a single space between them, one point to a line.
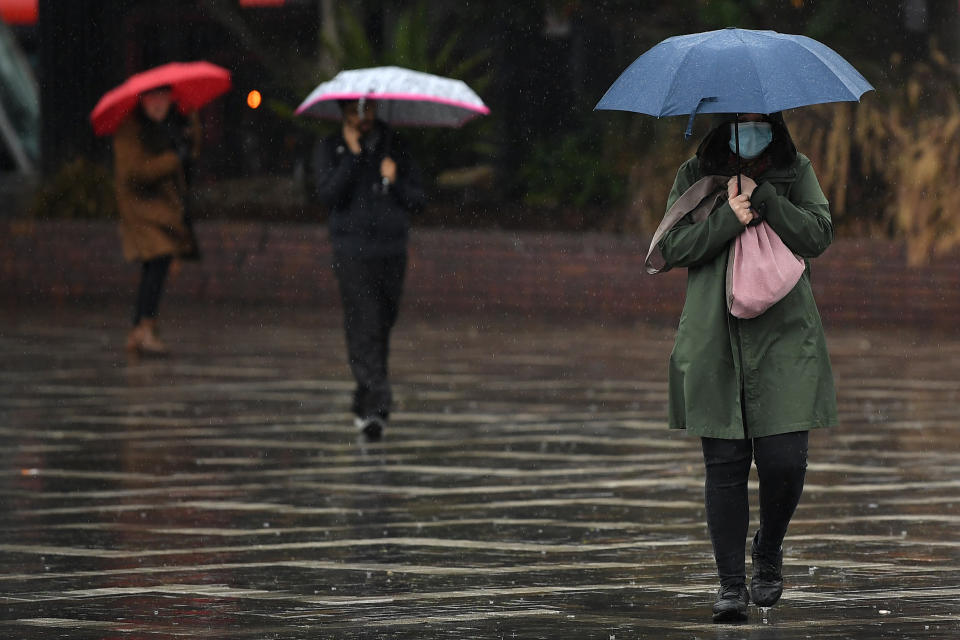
387 146
736 140
386 154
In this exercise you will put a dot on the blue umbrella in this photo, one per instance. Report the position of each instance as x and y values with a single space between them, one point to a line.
733 71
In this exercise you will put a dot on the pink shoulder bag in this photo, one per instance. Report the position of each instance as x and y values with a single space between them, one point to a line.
761 270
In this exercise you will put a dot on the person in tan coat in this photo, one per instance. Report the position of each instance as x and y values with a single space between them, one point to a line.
150 152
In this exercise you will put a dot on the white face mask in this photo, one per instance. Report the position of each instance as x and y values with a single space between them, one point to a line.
754 138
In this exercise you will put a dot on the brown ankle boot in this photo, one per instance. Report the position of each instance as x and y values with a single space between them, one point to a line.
149 343
134 338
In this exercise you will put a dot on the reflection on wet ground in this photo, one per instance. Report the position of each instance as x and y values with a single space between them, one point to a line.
527 487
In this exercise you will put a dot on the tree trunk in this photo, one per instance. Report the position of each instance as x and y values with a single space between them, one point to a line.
330 62
79 61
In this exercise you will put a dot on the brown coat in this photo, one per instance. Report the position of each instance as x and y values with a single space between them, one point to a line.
150 189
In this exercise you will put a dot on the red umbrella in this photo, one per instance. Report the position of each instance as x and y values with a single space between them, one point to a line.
192 85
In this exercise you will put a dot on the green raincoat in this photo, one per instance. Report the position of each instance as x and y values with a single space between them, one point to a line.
732 378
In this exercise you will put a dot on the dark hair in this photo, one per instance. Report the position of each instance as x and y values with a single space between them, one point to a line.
155 136
345 102
714 150
163 87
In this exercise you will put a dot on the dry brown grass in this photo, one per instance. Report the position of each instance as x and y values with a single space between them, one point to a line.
649 156
891 165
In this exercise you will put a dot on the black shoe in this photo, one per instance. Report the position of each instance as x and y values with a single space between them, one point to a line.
767 584
371 427
731 604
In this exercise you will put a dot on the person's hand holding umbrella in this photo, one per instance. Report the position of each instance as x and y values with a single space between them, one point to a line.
358 121
388 169
352 138
356 126
740 202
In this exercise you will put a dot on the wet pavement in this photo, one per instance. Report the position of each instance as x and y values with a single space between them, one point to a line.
526 488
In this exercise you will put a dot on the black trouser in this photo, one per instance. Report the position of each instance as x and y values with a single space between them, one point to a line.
152 277
370 289
781 467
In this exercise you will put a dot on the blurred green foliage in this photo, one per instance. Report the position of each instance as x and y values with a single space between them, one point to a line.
81 189
571 171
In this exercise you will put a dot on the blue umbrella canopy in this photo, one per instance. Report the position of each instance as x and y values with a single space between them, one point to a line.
733 71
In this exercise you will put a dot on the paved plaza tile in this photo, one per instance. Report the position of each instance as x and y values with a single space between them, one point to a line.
526 488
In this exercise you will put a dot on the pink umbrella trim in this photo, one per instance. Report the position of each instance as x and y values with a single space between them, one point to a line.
409 97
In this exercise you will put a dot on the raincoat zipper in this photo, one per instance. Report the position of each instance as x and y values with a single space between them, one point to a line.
743 382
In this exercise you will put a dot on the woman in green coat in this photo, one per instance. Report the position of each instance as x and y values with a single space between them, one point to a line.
750 389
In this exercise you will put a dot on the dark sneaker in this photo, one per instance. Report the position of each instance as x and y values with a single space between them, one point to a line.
767 584
371 427
731 604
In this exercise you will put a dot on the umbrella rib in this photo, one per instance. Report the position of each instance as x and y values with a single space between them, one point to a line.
673 85
753 68
827 65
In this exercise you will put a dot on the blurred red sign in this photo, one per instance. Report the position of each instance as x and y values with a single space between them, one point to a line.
19 11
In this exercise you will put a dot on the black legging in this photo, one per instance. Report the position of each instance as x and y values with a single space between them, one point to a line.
781 467
152 277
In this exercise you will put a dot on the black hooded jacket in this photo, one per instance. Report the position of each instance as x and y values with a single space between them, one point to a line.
366 217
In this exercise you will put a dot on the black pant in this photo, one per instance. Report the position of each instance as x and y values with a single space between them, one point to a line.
152 277
370 289
781 467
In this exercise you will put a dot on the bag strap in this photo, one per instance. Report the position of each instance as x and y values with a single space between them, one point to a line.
697 201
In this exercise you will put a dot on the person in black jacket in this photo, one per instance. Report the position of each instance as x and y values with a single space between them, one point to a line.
371 185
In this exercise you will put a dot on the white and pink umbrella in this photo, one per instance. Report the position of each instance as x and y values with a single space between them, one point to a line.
404 97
